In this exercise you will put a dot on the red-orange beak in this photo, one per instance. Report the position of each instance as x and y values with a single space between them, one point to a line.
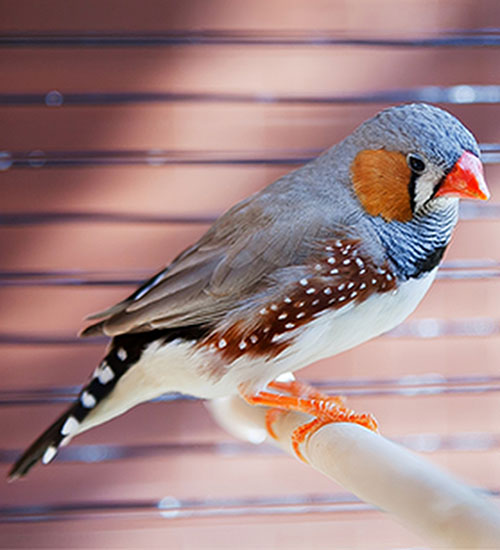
466 180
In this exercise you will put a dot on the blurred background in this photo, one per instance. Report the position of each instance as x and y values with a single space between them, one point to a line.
126 127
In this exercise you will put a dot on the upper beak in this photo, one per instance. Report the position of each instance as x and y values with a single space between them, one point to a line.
466 180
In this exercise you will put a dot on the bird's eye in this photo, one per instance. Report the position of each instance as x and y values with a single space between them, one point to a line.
416 163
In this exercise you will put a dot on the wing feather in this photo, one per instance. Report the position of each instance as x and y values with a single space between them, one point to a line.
235 258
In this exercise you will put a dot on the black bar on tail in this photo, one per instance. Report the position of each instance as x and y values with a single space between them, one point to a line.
125 351
35 452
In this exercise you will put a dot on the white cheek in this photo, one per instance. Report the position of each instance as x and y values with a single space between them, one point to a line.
424 187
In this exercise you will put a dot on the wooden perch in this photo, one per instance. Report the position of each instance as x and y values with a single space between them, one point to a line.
444 511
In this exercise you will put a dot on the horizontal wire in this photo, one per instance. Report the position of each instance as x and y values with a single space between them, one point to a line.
26 339
462 94
406 386
153 157
439 328
163 157
172 508
456 270
429 443
468 212
482 37
16 219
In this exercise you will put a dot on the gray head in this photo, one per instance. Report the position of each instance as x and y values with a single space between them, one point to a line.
409 155
420 128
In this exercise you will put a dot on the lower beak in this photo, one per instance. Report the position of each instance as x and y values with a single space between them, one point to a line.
466 180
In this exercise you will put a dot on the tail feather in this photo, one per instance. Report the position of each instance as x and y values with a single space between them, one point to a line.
42 449
124 352
72 422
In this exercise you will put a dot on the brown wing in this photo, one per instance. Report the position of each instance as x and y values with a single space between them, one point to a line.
222 270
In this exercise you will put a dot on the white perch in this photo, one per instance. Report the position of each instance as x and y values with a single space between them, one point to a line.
442 510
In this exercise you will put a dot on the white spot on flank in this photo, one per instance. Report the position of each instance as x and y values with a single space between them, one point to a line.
362 271
303 282
287 300
342 298
310 290
254 339
350 285
328 248
274 307
290 325
331 301
331 260
381 270
222 343
105 375
275 338
341 287
338 243
265 330
362 286
317 267
345 251
263 311
327 290
70 426
346 262
334 271
243 344
374 281
300 304
315 302
88 400
353 294
121 354
49 454
300 315
282 316
360 262
388 277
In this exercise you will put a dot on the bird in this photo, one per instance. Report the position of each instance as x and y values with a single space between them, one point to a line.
329 256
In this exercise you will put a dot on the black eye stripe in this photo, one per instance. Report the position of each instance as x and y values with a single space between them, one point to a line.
411 190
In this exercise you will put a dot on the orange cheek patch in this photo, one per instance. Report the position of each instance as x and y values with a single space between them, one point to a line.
381 180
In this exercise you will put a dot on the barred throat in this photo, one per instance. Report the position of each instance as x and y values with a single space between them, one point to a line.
416 247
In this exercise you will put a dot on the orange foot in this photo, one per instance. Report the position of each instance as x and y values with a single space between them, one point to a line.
297 389
304 398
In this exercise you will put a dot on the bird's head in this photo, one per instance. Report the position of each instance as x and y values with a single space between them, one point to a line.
412 157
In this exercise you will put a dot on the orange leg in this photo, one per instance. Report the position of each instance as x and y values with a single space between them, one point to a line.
298 389
305 399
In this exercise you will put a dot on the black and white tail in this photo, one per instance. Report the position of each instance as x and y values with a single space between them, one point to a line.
124 352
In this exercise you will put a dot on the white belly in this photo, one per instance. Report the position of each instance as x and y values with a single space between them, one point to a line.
181 367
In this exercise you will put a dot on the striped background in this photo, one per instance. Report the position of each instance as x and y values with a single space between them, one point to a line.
126 126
